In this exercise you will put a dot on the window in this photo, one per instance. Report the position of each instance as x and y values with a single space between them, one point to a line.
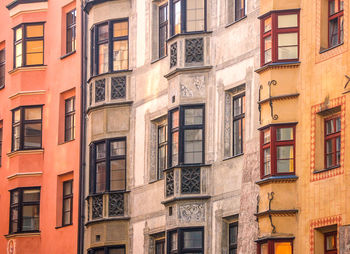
160 246
26 128
2 68
67 205
238 123
1 142
235 10
110 49
24 210
108 169
335 22
187 16
276 247
332 142
108 250
29 45
280 37
277 150
71 19
233 238
162 150
69 119
330 243
163 29
186 240
186 135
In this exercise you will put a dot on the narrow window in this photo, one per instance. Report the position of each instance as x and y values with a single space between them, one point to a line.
335 22
67 206
162 150
177 20
102 48
27 128
239 9
332 142
117 165
2 68
175 137
330 242
238 124
163 29
69 119
71 20
120 46
233 237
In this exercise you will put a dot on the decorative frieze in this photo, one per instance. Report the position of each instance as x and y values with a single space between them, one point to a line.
100 90
191 213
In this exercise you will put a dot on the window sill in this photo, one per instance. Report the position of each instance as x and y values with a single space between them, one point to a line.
23 234
185 197
107 73
236 21
156 181
278 179
66 142
187 166
64 226
107 192
68 54
291 64
328 49
158 59
2 87
99 220
108 104
326 169
41 67
20 152
232 157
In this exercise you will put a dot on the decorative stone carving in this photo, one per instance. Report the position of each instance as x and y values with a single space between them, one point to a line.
191 213
173 54
169 183
116 204
118 88
190 180
198 82
227 125
185 92
97 206
194 50
100 90
153 153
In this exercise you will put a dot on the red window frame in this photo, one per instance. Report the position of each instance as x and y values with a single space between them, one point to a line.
333 251
274 35
271 245
333 137
336 15
273 144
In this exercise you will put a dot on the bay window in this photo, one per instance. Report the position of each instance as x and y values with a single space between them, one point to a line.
277 149
277 246
279 37
186 240
332 142
335 22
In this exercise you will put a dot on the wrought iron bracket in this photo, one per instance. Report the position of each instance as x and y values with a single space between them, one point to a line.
348 78
270 196
259 105
272 83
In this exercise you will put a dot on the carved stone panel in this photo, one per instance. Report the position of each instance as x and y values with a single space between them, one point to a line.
173 54
116 204
194 50
169 184
100 90
191 213
118 88
190 180
97 206
193 86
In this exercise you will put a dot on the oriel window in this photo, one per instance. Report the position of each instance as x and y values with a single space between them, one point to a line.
71 35
69 119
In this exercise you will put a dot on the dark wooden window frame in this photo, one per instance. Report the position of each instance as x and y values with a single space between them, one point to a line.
274 35
22 123
161 26
24 40
73 27
241 118
2 69
273 144
95 45
69 114
159 241
106 249
180 241
333 233
19 206
337 15
183 17
70 198
271 245
160 145
232 246
107 160
181 129
332 136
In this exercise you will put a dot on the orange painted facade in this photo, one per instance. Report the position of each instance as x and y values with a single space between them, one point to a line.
55 161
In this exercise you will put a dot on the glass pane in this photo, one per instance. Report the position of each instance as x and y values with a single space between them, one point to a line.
192 239
67 218
163 14
71 17
193 116
162 134
194 15
35 46
237 106
175 148
160 247
16 138
67 205
267 136
287 39
19 55
333 32
118 148
287 46
103 32
233 233
193 150
14 219
239 9
330 127
19 34
14 197
32 114
17 116
35 31
264 249
103 58
267 24
34 58
173 241
285 162
69 105
120 29
162 160
67 188
177 17
267 159
290 20
268 51
332 7
329 146
100 151
331 242
100 177
283 248
31 195
337 144
120 55
117 178
30 217
337 124
32 135
175 119
341 5
285 134
237 136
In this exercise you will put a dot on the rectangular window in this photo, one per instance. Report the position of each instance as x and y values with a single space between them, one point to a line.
277 150
186 240
239 9
238 124
276 247
29 45
280 37
71 35
233 238
335 22
110 50
24 210
108 250
109 166
69 119
67 206
332 142
163 29
2 68
27 128
162 150
187 16
330 243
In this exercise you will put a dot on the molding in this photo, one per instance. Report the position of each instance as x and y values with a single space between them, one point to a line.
280 97
109 74
278 65
278 179
278 236
9 236
109 105
178 71
14 96
106 220
28 68
22 152
28 174
182 198
289 212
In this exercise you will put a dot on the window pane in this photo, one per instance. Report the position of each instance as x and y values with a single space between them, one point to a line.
331 242
120 29
34 58
35 31
32 135
267 159
163 35
285 162
103 33
267 136
67 188
290 20
192 239
238 106
35 46
173 241
69 105
175 149
14 197
233 233
19 55
32 114
237 136
268 50
103 58
71 17
333 32
19 34
16 138
160 247
17 116
239 9
193 116
193 150
195 15
118 148
162 134
175 119
267 24
117 178
284 134
100 151
332 7
100 177
120 55
177 17
162 160
283 248
14 219
30 217
67 205
31 195
287 46
337 124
